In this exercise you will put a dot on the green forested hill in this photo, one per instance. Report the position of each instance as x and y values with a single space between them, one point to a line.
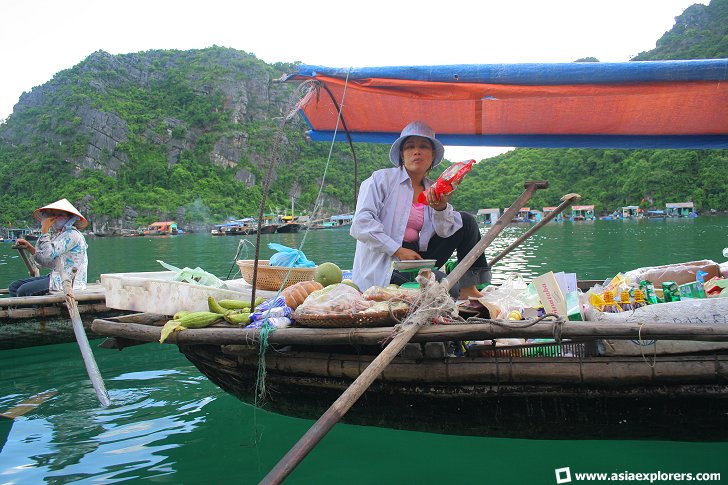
185 135
188 135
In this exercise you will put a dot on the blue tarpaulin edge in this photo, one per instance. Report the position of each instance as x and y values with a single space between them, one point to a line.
539 73
548 141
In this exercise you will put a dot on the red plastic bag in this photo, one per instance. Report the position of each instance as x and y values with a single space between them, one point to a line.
448 180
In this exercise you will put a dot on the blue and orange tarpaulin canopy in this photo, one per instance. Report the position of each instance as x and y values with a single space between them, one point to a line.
655 104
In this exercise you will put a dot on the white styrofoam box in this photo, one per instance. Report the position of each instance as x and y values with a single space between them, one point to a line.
156 292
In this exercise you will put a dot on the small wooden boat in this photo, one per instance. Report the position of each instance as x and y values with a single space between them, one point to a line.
44 320
269 228
288 227
549 391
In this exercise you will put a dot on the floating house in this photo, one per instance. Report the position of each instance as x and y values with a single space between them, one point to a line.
631 212
487 216
527 214
548 210
340 220
680 209
162 228
582 213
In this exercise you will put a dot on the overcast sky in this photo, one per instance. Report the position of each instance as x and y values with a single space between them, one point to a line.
41 37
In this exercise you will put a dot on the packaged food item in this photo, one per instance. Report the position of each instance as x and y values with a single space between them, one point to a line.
625 302
639 299
610 306
338 298
392 292
448 180
670 291
649 291
691 290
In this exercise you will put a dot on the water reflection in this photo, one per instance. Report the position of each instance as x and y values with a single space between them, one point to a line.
71 438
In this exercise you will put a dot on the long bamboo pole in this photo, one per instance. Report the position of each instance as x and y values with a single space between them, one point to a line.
340 407
495 230
32 268
150 332
88 356
567 200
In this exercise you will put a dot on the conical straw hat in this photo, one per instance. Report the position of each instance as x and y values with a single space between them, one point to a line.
65 206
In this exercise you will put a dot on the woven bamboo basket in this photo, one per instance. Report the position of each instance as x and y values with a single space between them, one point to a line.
350 320
271 277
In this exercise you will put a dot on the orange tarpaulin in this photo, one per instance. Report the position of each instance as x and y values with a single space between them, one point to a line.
666 112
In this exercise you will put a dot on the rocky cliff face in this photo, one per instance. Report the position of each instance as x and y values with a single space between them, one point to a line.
76 108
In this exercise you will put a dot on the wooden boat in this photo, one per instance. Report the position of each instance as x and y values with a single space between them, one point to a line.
44 320
288 227
494 392
547 391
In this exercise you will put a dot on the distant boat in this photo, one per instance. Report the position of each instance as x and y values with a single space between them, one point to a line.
269 228
288 227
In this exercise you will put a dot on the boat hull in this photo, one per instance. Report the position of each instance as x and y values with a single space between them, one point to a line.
288 228
693 409
44 320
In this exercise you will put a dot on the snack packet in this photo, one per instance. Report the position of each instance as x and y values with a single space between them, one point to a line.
448 180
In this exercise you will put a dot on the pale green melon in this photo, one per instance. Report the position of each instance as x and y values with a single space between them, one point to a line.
328 274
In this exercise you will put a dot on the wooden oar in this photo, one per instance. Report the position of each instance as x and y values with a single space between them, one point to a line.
567 200
28 405
32 268
88 357
340 407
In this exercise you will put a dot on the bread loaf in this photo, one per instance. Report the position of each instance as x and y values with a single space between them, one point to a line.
296 294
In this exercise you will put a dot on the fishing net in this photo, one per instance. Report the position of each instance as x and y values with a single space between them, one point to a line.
433 304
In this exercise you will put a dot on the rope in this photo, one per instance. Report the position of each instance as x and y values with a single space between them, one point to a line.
642 348
267 328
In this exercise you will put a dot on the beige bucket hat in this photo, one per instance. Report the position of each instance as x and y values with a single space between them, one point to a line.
65 206
417 128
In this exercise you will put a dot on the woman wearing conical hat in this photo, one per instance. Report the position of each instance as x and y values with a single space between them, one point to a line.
61 247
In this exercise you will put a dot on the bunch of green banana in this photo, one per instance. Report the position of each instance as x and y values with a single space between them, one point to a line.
181 321
236 312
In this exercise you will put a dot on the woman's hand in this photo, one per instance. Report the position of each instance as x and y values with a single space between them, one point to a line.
437 204
404 254
23 244
46 223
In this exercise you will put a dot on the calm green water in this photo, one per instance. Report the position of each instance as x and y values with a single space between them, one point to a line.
168 424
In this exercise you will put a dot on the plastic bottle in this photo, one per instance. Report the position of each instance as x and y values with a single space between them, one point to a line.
639 300
700 278
625 302
610 306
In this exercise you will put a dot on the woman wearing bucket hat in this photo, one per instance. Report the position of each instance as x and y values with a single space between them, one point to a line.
389 223
61 247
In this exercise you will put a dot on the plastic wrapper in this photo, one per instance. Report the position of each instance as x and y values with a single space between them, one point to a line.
384 306
679 272
197 276
513 294
394 292
448 180
288 257
273 311
339 298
